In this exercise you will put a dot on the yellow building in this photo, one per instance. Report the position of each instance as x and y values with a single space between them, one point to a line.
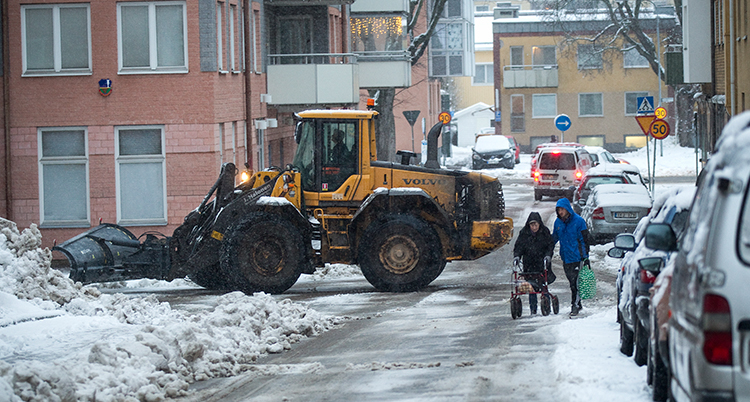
536 79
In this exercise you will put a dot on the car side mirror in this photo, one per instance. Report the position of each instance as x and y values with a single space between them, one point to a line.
651 264
625 241
582 202
660 236
615 252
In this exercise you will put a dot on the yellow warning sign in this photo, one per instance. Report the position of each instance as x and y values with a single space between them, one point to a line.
645 123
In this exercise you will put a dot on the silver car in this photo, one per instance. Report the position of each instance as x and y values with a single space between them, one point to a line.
709 331
612 209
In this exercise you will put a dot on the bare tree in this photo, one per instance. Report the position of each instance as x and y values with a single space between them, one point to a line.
609 28
386 125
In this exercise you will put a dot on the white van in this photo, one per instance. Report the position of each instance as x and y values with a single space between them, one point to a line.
709 332
559 171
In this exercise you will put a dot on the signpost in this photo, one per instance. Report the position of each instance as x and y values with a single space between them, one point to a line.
411 117
562 123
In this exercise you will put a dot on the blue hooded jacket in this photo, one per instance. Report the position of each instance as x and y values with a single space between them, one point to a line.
572 234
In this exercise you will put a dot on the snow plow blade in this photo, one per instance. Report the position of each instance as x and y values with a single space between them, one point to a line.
110 252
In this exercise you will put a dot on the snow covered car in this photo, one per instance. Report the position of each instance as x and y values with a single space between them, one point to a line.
612 209
709 331
641 266
595 176
601 156
492 151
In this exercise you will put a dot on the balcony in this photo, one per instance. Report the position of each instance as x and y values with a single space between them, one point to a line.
518 76
313 79
384 69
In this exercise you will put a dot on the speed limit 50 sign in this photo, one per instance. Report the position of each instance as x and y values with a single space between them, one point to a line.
659 129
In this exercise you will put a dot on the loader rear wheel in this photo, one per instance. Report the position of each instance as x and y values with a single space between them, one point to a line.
400 254
262 252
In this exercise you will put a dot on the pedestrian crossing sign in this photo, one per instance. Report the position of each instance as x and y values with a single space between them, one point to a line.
645 104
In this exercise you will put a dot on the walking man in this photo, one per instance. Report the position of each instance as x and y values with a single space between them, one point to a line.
571 231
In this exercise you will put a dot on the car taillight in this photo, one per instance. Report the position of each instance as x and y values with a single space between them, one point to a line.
598 213
536 175
717 330
647 277
579 174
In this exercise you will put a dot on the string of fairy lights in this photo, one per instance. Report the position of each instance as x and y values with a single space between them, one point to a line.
378 26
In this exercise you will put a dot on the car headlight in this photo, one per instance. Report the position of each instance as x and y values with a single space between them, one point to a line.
477 157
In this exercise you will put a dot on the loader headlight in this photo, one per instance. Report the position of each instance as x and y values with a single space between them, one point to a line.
244 176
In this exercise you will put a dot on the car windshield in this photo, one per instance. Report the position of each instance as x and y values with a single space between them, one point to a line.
488 143
557 161
594 181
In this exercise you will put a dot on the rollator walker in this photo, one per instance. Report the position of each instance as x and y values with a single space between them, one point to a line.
532 282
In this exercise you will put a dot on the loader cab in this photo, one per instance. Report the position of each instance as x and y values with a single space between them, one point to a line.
327 153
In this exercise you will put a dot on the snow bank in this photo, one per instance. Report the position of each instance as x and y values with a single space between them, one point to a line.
60 341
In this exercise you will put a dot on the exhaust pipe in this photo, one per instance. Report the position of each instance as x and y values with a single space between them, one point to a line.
432 146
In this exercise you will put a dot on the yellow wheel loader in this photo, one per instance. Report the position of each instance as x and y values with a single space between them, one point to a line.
401 223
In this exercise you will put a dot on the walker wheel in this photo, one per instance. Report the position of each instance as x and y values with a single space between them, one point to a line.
545 304
516 307
555 304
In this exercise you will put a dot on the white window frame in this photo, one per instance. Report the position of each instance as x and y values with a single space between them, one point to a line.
63 160
232 41
593 49
534 114
57 44
601 102
626 65
625 101
153 51
541 49
220 36
133 159
488 74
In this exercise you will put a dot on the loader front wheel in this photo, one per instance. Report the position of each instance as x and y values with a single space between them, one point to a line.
400 254
262 252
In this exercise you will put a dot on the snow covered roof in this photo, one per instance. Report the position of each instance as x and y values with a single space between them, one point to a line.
621 195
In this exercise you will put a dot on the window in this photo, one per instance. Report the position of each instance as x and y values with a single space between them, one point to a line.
590 105
56 39
631 102
63 177
339 154
483 74
294 36
482 9
516 56
384 33
542 56
544 105
452 9
152 37
635 141
591 140
447 49
220 35
140 175
632 59
589 57
517 114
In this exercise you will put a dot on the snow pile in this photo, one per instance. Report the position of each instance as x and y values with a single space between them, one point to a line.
66 342
671 158
330 271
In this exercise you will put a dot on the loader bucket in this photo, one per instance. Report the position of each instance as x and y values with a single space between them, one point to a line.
94 255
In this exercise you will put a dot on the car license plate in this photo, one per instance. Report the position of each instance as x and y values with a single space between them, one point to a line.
493 161
549 176
626 215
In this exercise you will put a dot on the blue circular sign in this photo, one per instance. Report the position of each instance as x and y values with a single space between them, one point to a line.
562 122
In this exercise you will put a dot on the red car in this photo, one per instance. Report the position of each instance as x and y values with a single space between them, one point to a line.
514 144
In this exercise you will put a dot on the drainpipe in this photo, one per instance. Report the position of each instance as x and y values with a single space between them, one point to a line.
249 36
6 110
732 92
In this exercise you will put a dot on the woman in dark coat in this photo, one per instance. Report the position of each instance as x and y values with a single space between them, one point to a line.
534 247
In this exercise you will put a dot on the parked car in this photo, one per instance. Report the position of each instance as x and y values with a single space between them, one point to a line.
601 174
601 156
515 145
492 151
560 170
612 209
709 331
638 273
548 145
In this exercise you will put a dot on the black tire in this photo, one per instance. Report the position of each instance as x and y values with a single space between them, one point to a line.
400 254
516 307
660 378
262 252
545 305
537 195
640 343
626 339
555 304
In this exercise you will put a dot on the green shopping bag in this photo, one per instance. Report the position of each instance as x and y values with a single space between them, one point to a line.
586 281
